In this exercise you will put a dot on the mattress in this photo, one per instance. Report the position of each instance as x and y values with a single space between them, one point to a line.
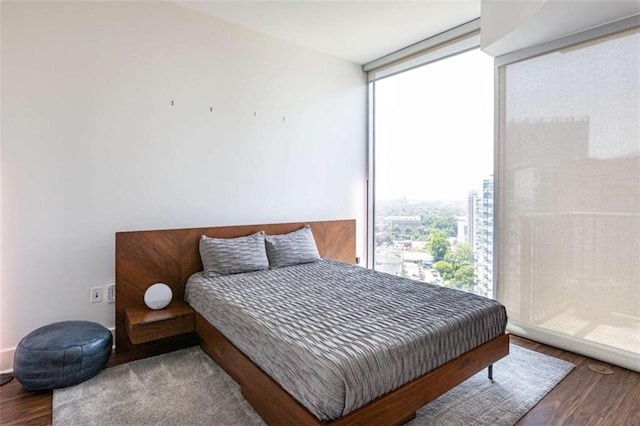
336 336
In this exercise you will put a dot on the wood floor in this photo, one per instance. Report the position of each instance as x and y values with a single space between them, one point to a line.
582 398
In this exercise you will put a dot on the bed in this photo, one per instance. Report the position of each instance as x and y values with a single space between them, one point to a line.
395 388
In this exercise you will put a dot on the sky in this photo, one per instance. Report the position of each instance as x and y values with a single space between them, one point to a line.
434 129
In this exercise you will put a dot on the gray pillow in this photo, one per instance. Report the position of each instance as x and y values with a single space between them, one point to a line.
292 249
233 255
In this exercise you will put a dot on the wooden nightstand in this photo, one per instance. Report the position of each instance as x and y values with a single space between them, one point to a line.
146 325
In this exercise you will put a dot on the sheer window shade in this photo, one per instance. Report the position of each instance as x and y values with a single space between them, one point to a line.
569 197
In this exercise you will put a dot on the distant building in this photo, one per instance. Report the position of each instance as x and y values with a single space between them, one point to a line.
418 257
472 201
483 238
389 262
463 230
401 221
402 244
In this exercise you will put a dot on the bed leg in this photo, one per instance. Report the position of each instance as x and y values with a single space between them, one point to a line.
490 371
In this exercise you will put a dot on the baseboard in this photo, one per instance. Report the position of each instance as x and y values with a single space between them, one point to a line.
6 355
6 360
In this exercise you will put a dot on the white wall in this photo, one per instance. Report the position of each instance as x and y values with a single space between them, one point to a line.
91 144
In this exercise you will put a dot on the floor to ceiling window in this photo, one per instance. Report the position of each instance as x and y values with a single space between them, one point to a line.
567 182
569 204
433 163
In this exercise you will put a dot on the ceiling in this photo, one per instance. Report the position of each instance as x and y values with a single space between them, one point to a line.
356 31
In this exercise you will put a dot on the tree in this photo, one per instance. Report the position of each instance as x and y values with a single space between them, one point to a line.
465 278
396 233
383 238
462 254
457 268
448 224
438 244
445 269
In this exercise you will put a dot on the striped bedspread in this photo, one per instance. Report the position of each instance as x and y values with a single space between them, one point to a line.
336 336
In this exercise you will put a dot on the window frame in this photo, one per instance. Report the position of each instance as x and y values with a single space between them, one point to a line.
455 41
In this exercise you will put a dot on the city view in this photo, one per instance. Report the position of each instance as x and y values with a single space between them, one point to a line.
433 173
447 243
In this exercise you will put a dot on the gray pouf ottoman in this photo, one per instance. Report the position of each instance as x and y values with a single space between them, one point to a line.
61 354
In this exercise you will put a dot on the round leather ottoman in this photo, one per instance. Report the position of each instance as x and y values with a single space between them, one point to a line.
61 354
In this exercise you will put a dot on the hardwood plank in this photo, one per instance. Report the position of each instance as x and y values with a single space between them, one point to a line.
583 397
20 406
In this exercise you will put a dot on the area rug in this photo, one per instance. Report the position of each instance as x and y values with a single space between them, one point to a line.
187 388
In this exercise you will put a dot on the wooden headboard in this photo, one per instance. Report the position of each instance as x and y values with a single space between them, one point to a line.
171 256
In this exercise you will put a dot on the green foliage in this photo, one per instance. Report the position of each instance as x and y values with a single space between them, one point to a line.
445 269
462 253
398 233
439 223
457 269
440 215
438 244
384 238
465 278
446 224
424 209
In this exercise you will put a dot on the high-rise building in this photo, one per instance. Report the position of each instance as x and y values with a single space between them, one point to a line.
472 200
483 238
463 230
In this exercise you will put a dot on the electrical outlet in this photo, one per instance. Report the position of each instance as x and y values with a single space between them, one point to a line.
111 292
96 294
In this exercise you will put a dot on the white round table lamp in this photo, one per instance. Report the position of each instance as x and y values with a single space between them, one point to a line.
158 296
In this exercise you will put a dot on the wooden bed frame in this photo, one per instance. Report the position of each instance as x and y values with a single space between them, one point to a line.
171 256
